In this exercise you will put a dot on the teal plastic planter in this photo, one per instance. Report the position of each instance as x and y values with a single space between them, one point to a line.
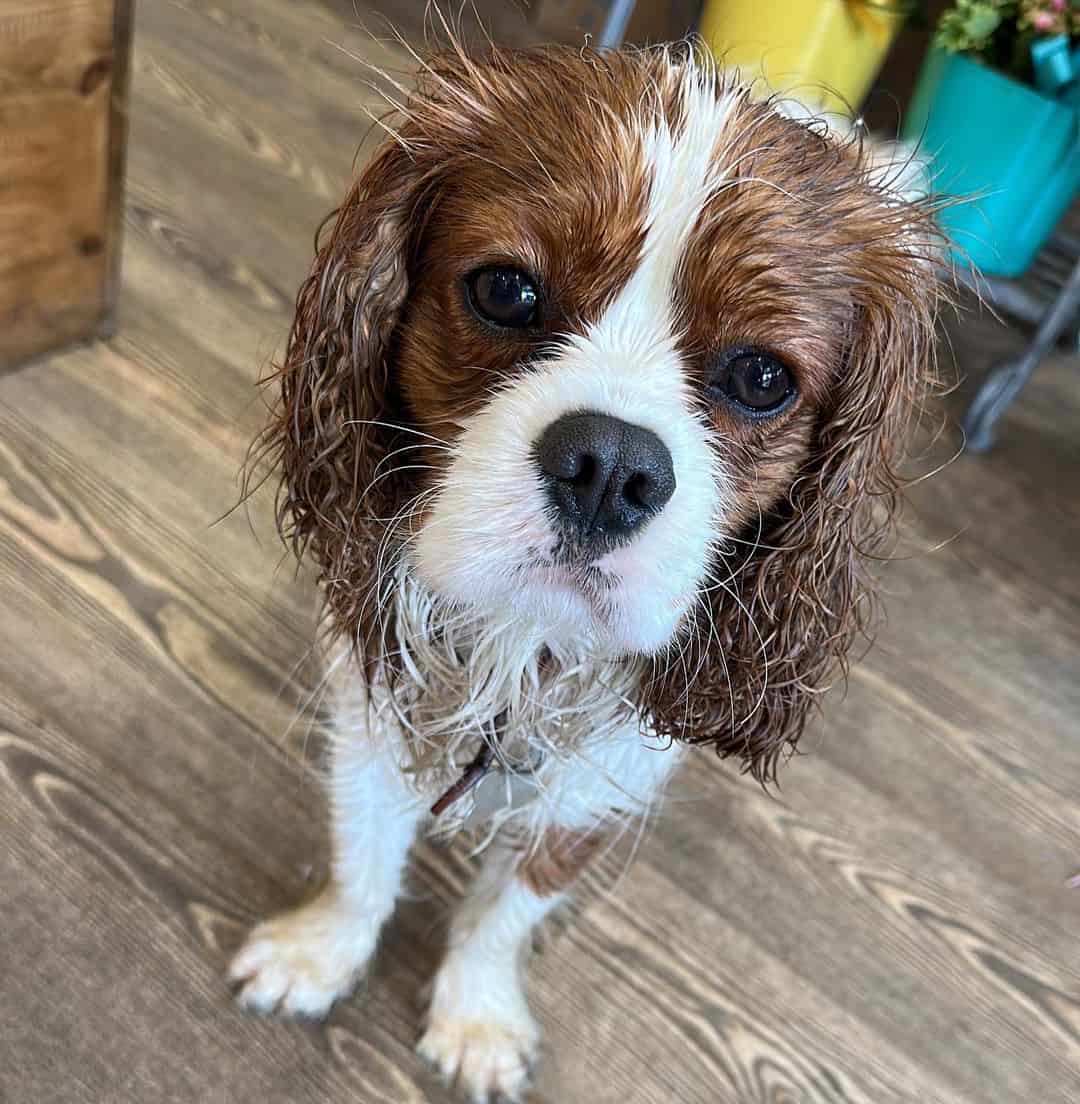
1010 151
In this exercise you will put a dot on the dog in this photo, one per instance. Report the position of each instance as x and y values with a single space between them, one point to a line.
590 418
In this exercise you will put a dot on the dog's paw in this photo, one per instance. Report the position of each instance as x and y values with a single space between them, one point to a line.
302 961
489 1060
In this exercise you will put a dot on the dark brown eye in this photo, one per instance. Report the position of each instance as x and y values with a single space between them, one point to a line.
754 382
505 296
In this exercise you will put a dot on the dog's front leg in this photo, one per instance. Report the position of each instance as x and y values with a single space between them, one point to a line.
301 961
479 1029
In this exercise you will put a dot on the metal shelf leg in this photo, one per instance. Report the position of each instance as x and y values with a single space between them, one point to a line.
1006 380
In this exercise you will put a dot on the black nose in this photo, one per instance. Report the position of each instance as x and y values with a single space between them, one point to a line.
605 477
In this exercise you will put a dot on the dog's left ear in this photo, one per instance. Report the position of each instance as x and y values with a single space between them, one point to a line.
340 420
333 427
776 625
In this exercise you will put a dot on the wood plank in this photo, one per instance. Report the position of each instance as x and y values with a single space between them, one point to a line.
50 44
891 927
63 66
52 218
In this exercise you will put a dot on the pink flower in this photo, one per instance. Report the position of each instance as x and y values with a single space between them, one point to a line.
1042 21
1057 5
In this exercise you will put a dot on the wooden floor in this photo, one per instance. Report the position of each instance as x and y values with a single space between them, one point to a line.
893 926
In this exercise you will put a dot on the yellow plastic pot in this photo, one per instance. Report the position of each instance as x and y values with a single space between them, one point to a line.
825 53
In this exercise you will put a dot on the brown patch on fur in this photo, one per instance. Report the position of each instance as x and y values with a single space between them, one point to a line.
559 859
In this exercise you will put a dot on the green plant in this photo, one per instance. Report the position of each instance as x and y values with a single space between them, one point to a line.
1000 33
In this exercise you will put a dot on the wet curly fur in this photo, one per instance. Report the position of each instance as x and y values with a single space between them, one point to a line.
789 591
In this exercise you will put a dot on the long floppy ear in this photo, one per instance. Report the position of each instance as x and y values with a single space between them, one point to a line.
777 624
333 425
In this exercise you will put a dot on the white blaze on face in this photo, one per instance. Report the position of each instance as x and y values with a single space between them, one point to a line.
490 530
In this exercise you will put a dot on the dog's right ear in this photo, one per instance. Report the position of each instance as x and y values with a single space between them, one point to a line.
333 425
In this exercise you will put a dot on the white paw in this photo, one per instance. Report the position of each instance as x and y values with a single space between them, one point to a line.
300 962
488 1060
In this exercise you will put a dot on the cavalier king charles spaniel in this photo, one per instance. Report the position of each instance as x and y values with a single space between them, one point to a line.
589 418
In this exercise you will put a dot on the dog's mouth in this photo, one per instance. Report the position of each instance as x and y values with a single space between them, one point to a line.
571 566
584 555
607 594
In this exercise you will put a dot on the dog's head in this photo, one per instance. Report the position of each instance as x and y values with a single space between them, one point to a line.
599 339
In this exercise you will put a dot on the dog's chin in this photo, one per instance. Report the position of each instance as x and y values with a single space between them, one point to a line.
570 609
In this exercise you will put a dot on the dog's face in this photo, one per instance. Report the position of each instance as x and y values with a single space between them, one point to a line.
609 344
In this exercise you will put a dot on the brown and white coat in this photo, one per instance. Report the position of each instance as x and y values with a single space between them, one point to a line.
669 226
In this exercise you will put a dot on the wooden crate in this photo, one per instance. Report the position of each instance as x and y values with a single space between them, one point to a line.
63 89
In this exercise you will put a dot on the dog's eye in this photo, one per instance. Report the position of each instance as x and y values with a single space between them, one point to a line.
755 382
505 296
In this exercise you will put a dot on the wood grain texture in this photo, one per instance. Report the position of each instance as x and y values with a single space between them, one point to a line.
891 927
63 83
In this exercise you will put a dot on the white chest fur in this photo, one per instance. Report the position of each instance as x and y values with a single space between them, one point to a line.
570 717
